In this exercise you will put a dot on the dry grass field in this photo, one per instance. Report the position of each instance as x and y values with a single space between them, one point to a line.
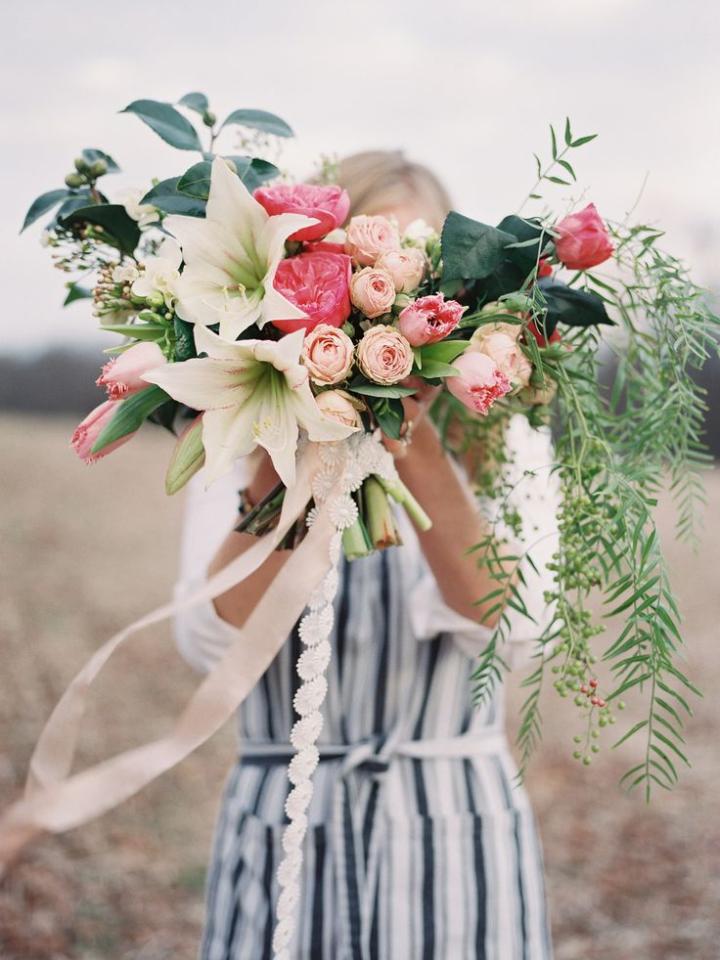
83 550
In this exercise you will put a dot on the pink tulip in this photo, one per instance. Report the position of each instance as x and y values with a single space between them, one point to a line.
124 375
87 432
429 319
583 239
479 383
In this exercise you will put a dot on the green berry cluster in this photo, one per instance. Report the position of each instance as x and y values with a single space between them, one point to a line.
85 174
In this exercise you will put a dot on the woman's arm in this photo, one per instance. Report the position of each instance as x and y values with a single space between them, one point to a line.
236 605
457 523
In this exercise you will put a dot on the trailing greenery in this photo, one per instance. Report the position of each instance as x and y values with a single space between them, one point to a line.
617 446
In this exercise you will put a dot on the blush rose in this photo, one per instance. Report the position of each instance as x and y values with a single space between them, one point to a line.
367 238
372 291
327 353
384 355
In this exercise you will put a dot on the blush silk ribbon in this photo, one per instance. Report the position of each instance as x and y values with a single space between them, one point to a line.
56 800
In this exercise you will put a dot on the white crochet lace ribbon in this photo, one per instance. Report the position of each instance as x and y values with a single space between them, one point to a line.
345 465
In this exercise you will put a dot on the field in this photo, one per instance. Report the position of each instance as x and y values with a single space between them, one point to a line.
84 550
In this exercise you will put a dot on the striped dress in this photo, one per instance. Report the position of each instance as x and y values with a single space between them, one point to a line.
420 844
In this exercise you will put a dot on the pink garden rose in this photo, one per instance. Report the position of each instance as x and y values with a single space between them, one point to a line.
317 283
124 375
430 319
406 267
372 291
327 353
367 238
479 383
507 354
583 239
384 355
329 205
341 406
87 432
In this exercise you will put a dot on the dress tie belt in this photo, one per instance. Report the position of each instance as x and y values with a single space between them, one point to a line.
358 846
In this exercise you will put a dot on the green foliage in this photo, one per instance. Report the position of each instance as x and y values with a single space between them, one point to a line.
130 416
259 120
471 250
113 221
253 172
166 196
571 306
166 122
389 414
197 102
43 203
391 391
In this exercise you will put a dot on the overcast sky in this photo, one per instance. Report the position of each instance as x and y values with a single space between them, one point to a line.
466 86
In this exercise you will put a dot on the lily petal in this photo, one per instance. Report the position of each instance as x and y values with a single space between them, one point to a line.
204 384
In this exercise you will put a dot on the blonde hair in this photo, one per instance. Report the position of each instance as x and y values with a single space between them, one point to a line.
378 180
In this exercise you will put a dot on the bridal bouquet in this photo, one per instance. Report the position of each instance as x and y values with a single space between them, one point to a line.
254 313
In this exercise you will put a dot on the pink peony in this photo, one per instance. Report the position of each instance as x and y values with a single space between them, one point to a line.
430 319
327 353
508 356
87 432
406 267
124 375
372 291
317 283
367 238
329 205
384 355
479 383
583 239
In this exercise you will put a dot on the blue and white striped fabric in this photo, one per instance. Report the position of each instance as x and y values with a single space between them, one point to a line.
420 845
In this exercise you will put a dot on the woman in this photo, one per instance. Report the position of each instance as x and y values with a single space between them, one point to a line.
426 857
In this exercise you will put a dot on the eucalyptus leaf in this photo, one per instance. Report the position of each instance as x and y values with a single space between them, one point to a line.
41 205
167 122
259 120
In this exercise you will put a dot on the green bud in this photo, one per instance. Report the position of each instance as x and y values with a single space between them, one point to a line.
587 761
81 164
74 180
187 458
98 168
209 118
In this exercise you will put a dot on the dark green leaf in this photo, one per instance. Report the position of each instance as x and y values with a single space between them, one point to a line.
41 205
167 122
184 340
166 197
259 120
525 231
130 416
253 171
389 415
164 415
91 154
76 200
77 292
568 132
114 220
553 142
582 140
471 250
195 101
576 308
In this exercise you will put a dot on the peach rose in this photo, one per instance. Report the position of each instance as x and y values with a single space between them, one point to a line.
341 406
367 238
384 355
327 353
372 291
406 267
507 355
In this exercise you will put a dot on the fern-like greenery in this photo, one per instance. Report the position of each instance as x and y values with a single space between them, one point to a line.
617 445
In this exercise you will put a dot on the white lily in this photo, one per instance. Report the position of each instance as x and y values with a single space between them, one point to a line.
158 281
231 257
254 393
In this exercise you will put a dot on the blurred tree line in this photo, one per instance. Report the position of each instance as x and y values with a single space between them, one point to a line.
61 381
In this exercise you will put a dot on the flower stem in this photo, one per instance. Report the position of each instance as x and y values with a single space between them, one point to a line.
402 495
356 542
379 516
